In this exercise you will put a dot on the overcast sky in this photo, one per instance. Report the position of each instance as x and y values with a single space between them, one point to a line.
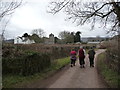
33 15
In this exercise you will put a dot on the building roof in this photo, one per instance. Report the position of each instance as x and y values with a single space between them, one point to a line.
51 34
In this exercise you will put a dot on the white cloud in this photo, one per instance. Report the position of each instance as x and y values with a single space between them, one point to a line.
33 15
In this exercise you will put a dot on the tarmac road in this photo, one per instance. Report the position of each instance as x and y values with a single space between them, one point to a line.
76 77
73 77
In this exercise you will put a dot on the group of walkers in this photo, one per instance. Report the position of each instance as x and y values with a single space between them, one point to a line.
81 55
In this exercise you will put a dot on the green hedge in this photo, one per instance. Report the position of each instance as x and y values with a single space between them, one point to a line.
27 63
11 81
110 76
31 59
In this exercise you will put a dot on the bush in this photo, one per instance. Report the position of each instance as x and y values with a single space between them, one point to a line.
33 58
110 76
27 63
112 55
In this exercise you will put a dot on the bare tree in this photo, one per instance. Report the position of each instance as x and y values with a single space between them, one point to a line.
7 8
39 32
3 25
107 13
66 36
63 34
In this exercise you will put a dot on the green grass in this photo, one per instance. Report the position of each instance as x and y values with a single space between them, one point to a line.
61 62
110 76
11 81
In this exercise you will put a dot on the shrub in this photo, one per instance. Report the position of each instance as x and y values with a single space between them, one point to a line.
113 55
33 58
25 63
110 76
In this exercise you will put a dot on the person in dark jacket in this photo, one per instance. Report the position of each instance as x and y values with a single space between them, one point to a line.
81 54
91 54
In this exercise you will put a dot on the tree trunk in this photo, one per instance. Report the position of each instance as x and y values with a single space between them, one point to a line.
117 11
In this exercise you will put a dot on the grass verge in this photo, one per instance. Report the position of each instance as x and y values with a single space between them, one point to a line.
12 81
110 76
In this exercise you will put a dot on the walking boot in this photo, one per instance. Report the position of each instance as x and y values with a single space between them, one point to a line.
81 66
73 64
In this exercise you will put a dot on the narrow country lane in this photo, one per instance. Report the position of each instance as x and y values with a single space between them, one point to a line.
73 77
76 77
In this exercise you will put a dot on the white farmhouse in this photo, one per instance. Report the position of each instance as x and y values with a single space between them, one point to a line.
23 40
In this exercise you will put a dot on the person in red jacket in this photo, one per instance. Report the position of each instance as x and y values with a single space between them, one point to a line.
73 57
81 54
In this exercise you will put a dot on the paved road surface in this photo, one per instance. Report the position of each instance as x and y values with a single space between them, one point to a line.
73 77
76 77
